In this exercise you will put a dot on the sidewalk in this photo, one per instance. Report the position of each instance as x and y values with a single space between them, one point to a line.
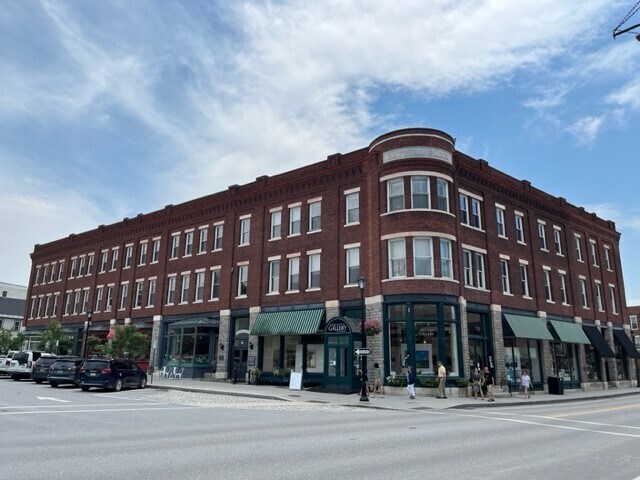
392 402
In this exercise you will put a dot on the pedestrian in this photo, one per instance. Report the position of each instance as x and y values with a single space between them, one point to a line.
442 377
411 382
378 386
526 383
510 374
489 381
476 384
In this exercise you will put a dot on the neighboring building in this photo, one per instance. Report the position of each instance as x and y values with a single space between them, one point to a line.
634 315
463 263
12 303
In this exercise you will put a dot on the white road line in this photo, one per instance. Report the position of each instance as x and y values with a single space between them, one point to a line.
53 399
16 407
39 412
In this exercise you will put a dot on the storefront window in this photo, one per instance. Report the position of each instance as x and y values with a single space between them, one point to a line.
290 353
397 346
271 354
522 354
450 359
565 362
426 334
202 349
186 346
592 364
621 362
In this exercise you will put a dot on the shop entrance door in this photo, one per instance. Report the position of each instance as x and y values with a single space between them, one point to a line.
240 355
339 363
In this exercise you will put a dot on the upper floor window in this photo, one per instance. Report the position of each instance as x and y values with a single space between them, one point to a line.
315 211
397 258
155 254
98 303
243 275
446 260
293 282
108 306
612 295
142 260
542 235
218 231
352 203
90 262
504 273
524 280
52 276
175 245
171 290
185 285
353 265
583 292
138 294
124 292
395 195
422 257
578 246
203 235
314 271
81 263
199 293
245 230
274 276
519 219
294 220
633 322
420 192
470 211
151 294
594 253
473 265
188 243
563 288
599 301
276 224
128 255
500 223
215 284
72 270
61 269
557 240
607 257
442 192
114 258
548 294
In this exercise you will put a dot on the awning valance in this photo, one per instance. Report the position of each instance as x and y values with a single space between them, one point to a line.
626 344
569 332
196 322
296 322
598 341
528 327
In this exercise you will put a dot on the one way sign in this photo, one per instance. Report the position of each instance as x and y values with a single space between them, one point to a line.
363 351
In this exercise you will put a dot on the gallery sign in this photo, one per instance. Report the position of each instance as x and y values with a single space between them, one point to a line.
337 326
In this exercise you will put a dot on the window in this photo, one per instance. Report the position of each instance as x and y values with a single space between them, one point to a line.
420 192
245 230
139 292
599 301
53 272
480 275
199 293
470 211
612 295
542 235
203 234
185 284
67 304
215 284
188 244
502 232
54 309
243 275
85 300
294 274
504 271
594 253
39 314
422 257
557 240
395 195
583 292
151 294
114 258
548 294
563 288
98 303
442 192
128 254
89 264
315 211
155 255
72 270
524 280
578 245
61 270
80 268
142 260
467 261
171 290
218 231
397 258
633 322
109 302
607 258
175 245
353 265
520 227
314 271
124 292
352 201
446 262
294 220
276 225
274 276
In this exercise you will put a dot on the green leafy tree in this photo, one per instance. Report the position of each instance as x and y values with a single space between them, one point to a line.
55 339
9 341
129 342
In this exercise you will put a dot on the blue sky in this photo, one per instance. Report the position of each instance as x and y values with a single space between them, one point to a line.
109 109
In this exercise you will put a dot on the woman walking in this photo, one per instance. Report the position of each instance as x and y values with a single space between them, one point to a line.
526 383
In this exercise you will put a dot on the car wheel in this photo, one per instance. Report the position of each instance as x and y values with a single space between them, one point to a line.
118 386
143 383
13 377
38 381
53 384
84 388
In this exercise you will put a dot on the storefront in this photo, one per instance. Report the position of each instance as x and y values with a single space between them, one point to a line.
564 352
522 348
191 344
624 350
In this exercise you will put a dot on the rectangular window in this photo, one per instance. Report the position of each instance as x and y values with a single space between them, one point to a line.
633 322
594 253
185 284
188 244
199 293
109 302
480 275
175 245
114 258
504 272
578 245
76 303
563 289
72 270
520 228
446 262
171 290
98 303
314 271
612 294
128 254
218 231
203 234
61 269
524 280
243 275
607 258
470 208
67 304
54 308
397 258
139 293
90 264
502 232
542 235
274 276
245 230
294 274
215 284
353 265
142 260
557 240
80 268
155 255
442 192
151 294
352 201
420 192
599 301
395 195
85 301
276 225
467 261
294 220
422 257
548 294
124 292
53 272
315 212
583 293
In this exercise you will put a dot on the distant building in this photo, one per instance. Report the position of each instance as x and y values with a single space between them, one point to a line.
12 304
463 264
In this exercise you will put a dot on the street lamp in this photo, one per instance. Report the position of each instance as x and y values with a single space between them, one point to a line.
362 282
86 334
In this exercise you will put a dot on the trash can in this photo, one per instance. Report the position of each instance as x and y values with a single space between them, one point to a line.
556 386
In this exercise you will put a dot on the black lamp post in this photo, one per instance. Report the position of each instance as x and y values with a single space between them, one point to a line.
86 334
362 282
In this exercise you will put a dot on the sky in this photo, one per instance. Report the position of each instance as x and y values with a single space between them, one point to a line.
114 108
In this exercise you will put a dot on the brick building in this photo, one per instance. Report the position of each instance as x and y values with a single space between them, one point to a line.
463 264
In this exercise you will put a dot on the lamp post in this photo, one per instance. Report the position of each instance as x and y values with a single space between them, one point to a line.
85 346
362 282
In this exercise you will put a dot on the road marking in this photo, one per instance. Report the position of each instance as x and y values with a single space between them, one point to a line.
98 410
53 399
16 407
587 412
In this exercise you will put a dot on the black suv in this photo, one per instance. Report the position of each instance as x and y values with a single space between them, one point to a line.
114 374
64 371
41 368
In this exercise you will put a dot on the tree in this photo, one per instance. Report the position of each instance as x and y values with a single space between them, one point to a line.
9 341
129 342
55 339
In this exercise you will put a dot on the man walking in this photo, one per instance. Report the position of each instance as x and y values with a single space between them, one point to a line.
442 377
489 381
411 382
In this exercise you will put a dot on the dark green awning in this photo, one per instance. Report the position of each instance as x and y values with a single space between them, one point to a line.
570 332
528 327
626 344
296 322
598 341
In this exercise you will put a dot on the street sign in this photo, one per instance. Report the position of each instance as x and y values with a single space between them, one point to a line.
363 351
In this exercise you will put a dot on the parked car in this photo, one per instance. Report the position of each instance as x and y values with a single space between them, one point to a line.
22 363
114 374
41 368
65 371
5 362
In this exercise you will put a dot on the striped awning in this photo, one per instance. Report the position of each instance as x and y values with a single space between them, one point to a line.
569 332
528 327
296 322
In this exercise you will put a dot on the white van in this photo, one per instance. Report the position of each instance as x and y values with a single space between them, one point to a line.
22 363
5 362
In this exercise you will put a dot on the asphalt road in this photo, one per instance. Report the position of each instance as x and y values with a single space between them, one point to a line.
64 433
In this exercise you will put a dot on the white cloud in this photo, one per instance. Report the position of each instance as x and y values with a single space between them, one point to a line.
627 96
586 129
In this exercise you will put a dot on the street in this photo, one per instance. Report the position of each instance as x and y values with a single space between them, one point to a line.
64 433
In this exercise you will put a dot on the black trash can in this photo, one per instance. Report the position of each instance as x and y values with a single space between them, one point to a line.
556 385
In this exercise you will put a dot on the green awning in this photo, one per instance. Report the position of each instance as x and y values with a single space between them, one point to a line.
626 344
570 332
196 322
528 327
296 322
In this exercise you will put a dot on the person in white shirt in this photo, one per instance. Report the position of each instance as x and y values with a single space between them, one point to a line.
526 383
